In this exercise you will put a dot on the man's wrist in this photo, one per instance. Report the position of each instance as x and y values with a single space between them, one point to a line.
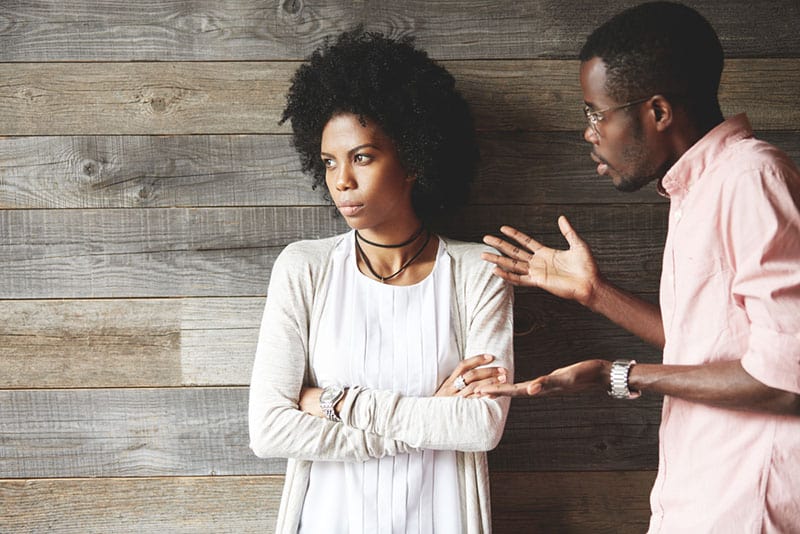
598 293
619 383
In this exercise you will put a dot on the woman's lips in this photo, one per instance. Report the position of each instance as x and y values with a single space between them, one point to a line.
348 209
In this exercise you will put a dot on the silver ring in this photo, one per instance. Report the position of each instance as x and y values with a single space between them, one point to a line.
459 383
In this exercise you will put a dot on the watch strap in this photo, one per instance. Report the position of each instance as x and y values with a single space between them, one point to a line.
618 383
332 395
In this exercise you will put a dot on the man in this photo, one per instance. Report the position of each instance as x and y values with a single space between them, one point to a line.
729 318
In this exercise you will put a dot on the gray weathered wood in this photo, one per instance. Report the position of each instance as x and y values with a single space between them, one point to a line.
128 342
75 30
543 502
152 171
229 251
246 170
247 97
127 433
107 343
203 431
135 505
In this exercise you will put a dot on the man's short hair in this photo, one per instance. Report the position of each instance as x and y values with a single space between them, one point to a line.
660 48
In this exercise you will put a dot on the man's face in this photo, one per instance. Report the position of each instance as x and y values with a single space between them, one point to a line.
623 142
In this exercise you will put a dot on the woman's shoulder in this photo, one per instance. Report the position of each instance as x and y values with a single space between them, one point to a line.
467 259
465 251
307 255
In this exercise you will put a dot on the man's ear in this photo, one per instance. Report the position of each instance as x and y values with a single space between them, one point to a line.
663 112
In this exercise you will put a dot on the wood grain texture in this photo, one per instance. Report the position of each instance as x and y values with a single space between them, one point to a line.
134 432
170 30
571 503
128 342
246 170
107 343
588 432
135 505
127 433
544 502
248 97
158 252
152 171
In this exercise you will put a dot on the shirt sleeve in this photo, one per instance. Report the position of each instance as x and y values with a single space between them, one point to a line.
278 428
764 232
450 423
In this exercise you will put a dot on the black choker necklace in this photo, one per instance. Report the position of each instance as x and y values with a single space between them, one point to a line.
402 268
381 245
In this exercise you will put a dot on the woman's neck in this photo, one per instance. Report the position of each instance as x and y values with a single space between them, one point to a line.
404 261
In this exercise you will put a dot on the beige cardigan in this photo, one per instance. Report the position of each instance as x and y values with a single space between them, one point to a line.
375 423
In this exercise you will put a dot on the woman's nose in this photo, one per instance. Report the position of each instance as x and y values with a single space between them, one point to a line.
344 178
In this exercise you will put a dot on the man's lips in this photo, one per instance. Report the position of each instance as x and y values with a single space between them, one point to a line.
602 166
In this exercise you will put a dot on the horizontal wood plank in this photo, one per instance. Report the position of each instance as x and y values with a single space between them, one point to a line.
212 341
135 505
134 432
74 30
127 433
572 433
229 251
248 97
533 503
128 342
571 503
247 170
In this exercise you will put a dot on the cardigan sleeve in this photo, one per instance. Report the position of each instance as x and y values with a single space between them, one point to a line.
278 428
450 423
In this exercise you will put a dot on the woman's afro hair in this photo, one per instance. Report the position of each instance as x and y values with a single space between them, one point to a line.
399 88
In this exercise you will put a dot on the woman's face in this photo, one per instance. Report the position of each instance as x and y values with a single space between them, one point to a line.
364 176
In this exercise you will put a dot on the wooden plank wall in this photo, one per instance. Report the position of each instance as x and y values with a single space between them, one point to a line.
146 188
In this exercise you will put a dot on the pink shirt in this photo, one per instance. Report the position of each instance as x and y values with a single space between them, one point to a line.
730 290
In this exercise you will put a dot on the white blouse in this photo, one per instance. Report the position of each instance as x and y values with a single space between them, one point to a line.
398 338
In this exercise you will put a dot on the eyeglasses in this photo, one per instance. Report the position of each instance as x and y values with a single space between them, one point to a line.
596 116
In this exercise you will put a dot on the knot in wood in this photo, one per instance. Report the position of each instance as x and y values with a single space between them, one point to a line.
90 168
292 7
159 104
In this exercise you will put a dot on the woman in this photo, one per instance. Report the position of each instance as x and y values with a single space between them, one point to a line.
373 341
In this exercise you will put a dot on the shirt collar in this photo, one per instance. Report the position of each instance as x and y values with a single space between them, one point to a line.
693 163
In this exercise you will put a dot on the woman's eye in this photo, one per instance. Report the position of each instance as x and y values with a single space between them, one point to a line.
328 163
362 158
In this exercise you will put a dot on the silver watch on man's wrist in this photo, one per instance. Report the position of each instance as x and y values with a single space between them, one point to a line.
618 387
328 399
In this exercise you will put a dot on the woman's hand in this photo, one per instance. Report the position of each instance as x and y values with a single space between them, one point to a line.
309 401
472 377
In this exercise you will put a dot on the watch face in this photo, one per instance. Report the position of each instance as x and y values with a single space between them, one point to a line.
330 393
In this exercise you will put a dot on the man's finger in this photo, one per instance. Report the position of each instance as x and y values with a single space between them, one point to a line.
569 232
522 238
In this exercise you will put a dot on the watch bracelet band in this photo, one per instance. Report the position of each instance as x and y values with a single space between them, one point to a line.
330 413
618 381
329 407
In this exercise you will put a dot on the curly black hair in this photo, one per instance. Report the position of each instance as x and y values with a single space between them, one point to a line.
661 48
399 88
